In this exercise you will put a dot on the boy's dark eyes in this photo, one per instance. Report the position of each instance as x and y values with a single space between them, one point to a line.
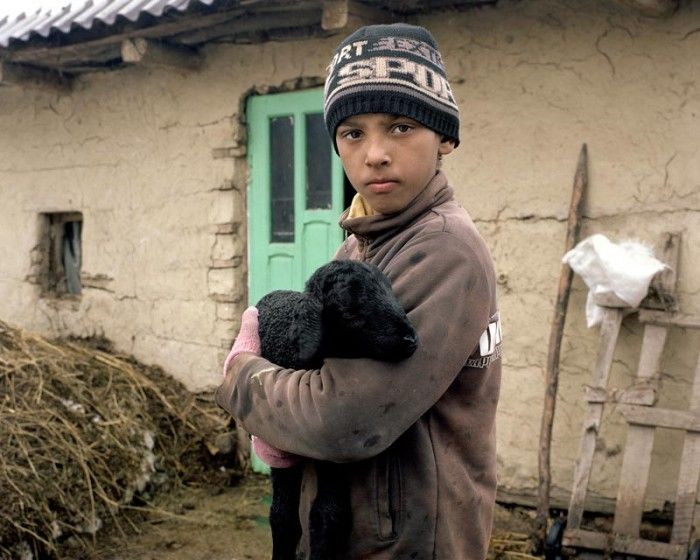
395 128
351 134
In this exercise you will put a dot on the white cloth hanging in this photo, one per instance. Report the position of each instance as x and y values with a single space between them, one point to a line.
622 271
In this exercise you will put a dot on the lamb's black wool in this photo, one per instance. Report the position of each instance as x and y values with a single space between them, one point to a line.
347 310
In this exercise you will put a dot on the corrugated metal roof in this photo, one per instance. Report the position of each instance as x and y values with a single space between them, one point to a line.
84 14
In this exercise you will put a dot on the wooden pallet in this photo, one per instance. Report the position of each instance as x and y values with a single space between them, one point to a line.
636 405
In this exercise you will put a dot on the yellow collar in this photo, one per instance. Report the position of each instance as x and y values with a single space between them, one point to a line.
359 207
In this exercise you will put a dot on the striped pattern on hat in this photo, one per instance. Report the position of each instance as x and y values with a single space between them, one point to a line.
395 69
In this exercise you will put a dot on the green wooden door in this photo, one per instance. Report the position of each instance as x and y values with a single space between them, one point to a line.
295 194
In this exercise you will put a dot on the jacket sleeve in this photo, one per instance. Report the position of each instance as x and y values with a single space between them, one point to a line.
352 409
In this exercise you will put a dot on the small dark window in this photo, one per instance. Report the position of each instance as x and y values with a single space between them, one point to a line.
62 273
318 164
282 179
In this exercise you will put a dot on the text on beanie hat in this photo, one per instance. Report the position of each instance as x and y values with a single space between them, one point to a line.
395 69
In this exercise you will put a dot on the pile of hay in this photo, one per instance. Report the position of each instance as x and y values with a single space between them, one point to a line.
510 545
82 431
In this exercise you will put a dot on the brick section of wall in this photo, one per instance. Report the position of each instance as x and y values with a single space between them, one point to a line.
227 276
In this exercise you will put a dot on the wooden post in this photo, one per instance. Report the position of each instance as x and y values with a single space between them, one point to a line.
152 53
555 337
654 8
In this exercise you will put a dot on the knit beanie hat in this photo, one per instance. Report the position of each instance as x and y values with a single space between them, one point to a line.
395 69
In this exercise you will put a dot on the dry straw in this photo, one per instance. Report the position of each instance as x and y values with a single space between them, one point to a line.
510 545
81 432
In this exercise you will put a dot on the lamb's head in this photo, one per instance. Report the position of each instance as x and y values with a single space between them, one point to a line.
289 324
361 316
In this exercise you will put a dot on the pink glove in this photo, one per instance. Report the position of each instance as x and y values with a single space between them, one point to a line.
248 339
273 457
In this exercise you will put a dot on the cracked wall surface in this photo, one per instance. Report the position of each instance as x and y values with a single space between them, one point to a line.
155 161
535 80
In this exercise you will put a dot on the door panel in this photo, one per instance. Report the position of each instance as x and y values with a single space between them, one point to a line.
318 241
281 268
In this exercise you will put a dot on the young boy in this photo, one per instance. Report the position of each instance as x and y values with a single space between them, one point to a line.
421 432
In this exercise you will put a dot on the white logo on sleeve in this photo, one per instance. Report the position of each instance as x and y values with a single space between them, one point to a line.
489 345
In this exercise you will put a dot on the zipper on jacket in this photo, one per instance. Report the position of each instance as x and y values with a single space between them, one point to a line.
388 496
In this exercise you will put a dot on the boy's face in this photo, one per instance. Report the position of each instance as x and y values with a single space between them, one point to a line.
388 159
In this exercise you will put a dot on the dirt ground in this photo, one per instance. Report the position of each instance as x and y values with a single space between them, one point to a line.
230 523
201 523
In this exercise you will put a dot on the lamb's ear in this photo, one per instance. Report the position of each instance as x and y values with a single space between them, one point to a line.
307 326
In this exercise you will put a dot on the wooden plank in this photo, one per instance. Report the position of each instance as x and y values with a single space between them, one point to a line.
650 355
625 545
587 539
661 418
608 299
365 14
669 319
338 14
662 289
654 8
639 395
147 52
689 474
633 480
335 14
687 490
609 330
246 28
559 498
668 252
33 78
634 475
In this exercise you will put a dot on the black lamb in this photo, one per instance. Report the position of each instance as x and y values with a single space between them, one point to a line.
347 310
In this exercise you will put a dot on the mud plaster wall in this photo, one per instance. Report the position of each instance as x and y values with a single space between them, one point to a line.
155 161
541 78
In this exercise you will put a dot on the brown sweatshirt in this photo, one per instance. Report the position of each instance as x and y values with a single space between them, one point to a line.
421 432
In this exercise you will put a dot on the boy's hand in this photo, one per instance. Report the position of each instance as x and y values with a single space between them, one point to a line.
248 339
273 457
